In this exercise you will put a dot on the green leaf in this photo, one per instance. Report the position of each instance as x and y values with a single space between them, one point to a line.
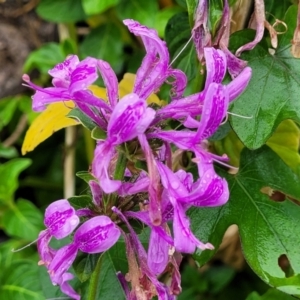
78 115
61 11
177 34
272 94
104 42
23 220
85 264
8 152
85 175
83 201
98 134
191 7
215 14
271 294
103 282
45 58
7 257
9 173
7 108
21 281
266 227
162 18
144 12
92 7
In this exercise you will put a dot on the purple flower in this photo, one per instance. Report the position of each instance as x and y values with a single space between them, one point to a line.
192 106
96 235
178 188
155 67
60 220
71 80
130 118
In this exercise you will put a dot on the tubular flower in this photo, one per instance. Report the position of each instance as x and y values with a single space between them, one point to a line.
143 185
96 235
60 220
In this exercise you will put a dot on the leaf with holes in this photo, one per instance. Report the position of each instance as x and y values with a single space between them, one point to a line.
266 227
273 92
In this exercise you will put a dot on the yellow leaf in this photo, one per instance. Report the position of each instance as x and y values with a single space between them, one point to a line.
52 119
98 91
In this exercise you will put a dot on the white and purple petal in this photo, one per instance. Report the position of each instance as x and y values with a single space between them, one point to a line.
153 71
96 235
102 157
84 75
216 65
60 219
61 73
110 80
130 117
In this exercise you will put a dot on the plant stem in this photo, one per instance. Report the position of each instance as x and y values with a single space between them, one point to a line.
94 280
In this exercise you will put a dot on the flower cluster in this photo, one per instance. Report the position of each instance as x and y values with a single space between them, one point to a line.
137 132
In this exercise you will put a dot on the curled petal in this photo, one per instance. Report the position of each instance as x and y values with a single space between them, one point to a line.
130 118
215 65
259 11
214 110
96 192
153 71
201 33
97 235
60 218
154 188
84 75
238 85
171 182
182 139
177 109
184 239
157 253
61 73
66 287
209 190
46 253
132 188
179 83
62 262
42 97
110 81
235 65
102 157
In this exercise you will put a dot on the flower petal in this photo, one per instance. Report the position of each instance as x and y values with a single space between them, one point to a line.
237 86
97 235
60 218
130 118
215 66
84 75
62 262
66 287
46 253
214 110
102 157
110 81
157 253
61 73
153 72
